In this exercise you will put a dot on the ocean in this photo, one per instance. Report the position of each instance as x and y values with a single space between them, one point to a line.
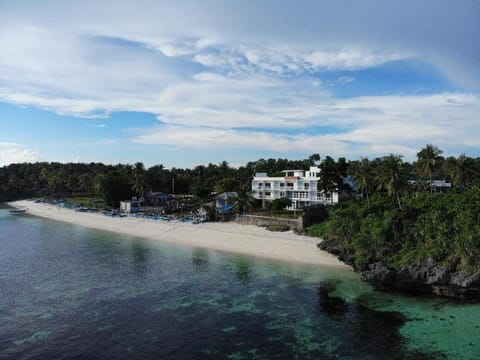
68 292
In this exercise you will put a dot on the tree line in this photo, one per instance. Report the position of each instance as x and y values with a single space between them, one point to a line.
388 175
391 175
112 183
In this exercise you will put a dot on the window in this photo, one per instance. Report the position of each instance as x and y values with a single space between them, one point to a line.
307 186
267 186
282 185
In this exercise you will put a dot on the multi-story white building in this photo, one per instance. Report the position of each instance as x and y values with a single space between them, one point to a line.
300 186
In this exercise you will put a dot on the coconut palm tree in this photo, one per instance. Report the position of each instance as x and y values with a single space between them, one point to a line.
462 170
244 200
98 187
139 181
390 176
428 161
362 172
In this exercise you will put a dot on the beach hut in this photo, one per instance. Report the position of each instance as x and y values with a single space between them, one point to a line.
130 206
225 200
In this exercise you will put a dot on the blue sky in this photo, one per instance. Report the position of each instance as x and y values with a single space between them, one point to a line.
185 83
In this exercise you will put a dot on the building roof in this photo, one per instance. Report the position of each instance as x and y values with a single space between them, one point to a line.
226 195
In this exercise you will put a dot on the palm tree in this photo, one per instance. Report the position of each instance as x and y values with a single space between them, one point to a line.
56 182
428 160
362 173
139 181
98 187
465 170
224 168
390 176
244 200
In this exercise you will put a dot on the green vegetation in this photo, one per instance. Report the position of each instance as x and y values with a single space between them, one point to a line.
332 175
402 218
103 185
279 204
445 227
108 184
278 228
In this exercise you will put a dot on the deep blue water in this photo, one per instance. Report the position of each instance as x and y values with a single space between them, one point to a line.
68 292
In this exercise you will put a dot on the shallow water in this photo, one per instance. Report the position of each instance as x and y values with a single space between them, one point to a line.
69 292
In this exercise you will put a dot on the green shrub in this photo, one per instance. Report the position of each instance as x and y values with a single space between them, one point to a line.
279 228
443 226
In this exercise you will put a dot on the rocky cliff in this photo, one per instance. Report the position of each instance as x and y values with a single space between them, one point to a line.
421 277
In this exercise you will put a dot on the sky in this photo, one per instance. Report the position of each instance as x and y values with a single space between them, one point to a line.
183 83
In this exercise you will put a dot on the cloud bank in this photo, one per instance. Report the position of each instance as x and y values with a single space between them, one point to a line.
248 75
16 153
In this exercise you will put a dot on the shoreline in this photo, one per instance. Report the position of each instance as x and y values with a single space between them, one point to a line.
228 237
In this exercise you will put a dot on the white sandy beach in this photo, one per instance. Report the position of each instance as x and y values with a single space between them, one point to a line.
229 237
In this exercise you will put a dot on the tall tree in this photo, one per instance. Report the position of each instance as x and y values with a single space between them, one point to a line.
244 200
331 179
159 178
462 170
428 161
314 159
226 184
98 187
362 173
390 176
139 181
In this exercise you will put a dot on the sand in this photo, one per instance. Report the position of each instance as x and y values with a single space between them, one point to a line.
229 236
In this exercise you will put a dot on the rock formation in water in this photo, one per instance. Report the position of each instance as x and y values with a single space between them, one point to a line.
421 277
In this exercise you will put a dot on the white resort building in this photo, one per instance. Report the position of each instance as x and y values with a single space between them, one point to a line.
300 186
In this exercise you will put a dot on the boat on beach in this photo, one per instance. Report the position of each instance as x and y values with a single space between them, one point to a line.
18 211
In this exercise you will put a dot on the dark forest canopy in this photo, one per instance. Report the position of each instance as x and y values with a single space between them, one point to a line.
111 183
121 181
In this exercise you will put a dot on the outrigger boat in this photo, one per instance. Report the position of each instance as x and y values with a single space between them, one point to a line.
18 211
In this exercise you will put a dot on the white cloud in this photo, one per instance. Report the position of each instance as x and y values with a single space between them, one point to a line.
211 68
211 60
17 155
172 49
44 68
12 152
253 59
350 59
337 35
9 145
208 138
345 79
91 74
368 125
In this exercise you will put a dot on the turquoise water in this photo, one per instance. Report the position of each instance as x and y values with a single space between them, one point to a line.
69 292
